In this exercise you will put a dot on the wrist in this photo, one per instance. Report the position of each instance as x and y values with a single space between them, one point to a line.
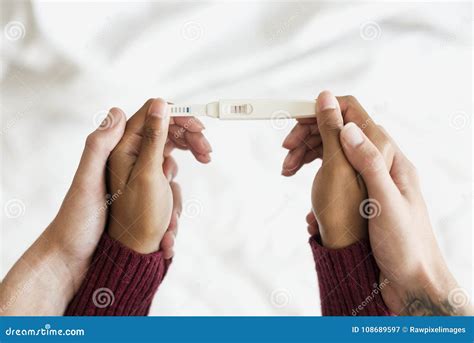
337 235
58 259
443 289
434 292
143 241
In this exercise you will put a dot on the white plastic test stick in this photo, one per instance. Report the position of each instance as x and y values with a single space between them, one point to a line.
247 109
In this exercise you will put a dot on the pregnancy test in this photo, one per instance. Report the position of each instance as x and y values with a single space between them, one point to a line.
246 109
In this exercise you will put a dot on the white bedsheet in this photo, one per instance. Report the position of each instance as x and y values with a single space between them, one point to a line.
242 247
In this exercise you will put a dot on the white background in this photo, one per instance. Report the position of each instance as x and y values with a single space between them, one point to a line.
242 247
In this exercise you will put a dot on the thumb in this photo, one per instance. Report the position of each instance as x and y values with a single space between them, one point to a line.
99 144
330 122
364 157
155 135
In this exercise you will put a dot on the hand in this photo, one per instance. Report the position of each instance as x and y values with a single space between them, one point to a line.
305 141
336 186
47 276
49 273
145 212
417 279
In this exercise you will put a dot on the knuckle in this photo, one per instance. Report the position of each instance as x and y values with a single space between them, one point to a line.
385 147
93 142
353 110
350 100
383 136
384 144
411 171
330 119
373 160
152 134
145 178
382 129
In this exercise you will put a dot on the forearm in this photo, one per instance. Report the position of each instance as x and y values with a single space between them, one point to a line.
434 292
119 282
348 280
39 283
424 303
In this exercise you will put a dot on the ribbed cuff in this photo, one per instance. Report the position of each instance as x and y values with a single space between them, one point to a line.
119 282
348 280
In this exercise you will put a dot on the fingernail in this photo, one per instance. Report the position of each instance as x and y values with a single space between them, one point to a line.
159 108
207 146
109 121
169 176
326 101
288 161
200 125
352 135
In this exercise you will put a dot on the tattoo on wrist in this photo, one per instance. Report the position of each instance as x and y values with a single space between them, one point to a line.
420 304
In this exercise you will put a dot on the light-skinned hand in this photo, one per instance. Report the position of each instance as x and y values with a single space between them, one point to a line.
417 279
46 277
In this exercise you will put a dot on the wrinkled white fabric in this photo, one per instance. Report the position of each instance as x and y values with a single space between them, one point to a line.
242 247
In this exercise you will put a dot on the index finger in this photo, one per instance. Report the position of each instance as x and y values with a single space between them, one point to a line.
352 111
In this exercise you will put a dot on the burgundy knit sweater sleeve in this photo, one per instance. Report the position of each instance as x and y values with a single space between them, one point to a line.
119 282
122 282
348 280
